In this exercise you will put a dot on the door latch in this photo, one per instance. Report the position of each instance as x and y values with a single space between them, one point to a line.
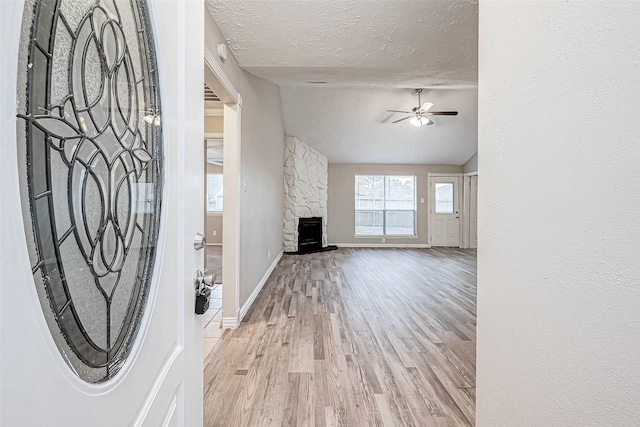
203 282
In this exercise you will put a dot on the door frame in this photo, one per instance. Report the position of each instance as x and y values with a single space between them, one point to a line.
431 175
465 241
217 80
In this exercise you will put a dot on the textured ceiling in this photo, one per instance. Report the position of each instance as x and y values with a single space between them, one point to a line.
351 125
385 43
371 54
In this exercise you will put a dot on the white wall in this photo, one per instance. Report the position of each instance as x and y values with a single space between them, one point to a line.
261 166
559 239
341 203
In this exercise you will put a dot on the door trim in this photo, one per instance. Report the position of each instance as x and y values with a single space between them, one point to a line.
465 241
217 80
228 88
459 196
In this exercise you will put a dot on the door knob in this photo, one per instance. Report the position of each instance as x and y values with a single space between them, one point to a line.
199 241
203 280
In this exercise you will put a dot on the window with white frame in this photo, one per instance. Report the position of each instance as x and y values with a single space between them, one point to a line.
214 192
385 205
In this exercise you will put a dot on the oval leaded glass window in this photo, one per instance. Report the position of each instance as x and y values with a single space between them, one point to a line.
90 136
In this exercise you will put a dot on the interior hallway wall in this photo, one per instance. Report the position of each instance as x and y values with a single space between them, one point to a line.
559 238
261 166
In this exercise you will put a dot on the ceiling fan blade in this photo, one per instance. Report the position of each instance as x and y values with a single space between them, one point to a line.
442 113
405 118
426 106
398 111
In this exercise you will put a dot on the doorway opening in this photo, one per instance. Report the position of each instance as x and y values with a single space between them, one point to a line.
222 216
213 214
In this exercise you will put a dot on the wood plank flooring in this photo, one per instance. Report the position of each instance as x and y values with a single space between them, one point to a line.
353 337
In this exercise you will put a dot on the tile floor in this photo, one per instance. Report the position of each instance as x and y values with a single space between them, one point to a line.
213 261
211 321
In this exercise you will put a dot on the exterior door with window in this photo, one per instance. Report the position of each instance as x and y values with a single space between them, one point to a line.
100 203
444 210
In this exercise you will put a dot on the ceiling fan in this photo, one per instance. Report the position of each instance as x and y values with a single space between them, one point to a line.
419 115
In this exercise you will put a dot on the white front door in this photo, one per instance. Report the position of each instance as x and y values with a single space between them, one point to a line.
51 373
444 210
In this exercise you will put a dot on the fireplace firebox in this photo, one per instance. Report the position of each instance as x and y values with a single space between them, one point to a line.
310 234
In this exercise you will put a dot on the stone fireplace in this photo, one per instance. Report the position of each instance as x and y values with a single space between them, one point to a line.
305 190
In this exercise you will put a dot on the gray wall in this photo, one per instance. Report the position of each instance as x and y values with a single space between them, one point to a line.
341 200
262 135
471 165
559 242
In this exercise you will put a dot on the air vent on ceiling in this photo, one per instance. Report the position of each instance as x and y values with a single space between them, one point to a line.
209 95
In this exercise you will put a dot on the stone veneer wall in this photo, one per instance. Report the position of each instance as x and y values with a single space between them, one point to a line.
305 189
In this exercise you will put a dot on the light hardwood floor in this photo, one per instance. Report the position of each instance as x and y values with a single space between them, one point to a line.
354 337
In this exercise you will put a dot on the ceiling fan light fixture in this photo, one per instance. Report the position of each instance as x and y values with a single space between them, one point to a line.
418 121
419 116
426 106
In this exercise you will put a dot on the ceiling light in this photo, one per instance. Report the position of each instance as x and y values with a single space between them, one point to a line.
418 121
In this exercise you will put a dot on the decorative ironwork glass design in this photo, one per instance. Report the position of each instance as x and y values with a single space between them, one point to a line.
89 132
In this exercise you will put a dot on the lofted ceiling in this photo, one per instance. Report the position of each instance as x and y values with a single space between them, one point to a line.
341 63
351 125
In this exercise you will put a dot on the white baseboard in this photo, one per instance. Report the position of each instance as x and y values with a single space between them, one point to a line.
234 322
256 291
381 245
